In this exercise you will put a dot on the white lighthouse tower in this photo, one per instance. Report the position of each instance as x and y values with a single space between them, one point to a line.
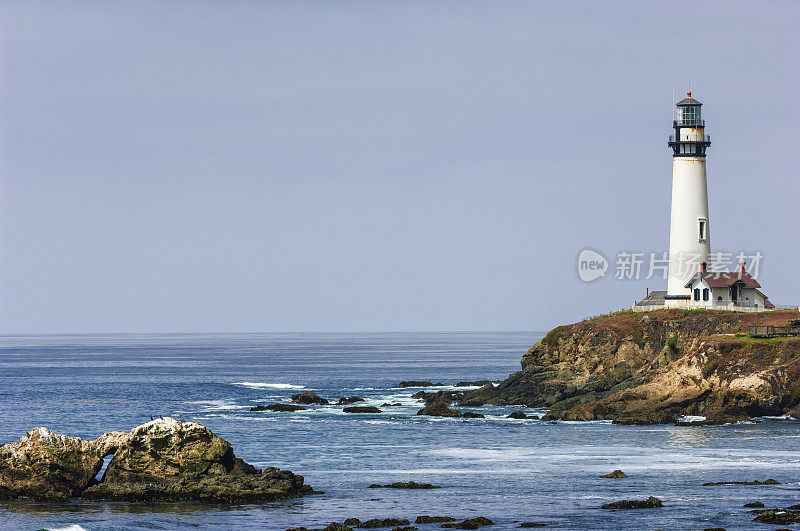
689 234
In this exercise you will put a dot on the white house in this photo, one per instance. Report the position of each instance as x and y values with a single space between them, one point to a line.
726 290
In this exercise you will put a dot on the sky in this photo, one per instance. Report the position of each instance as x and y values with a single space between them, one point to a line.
182 166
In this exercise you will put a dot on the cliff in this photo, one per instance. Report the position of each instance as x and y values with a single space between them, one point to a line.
654 367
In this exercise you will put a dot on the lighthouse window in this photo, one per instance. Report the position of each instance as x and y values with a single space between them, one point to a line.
689 115
701 227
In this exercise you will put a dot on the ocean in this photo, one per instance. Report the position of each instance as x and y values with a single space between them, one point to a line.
507 470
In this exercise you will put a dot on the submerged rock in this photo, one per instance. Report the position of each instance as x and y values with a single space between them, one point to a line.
418 383
755 482
386 522
471 523
753 505
163 460
439 409
650 503
616 474
362 409
404 485
278 407
425 519
351 400
309 397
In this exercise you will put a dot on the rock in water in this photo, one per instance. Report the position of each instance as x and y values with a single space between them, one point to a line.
778 517
425 519
418 383
472 523
166 460
518 415
163 460
386 522
52 467
650 503
278 407
439 409
309 397
349 400
617 474
361 409
404 485
473 415
754 505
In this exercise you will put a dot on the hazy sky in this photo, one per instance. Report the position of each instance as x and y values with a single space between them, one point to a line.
343 166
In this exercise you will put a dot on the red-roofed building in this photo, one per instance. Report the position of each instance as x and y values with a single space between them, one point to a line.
726 290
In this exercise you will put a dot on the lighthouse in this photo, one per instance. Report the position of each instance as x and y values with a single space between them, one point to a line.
689 232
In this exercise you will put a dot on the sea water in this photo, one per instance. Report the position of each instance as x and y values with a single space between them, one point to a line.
508 470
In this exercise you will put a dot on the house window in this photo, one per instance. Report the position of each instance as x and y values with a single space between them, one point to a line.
702 229
697 294
705 294
719 298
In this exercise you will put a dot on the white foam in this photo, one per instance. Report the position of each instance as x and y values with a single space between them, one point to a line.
73 527
692 418
265 385
215 405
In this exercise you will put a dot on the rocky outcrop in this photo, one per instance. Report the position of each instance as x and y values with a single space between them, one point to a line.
439 409
471 523
349 400
655 367
52 467
309 397
418 383
163 460
616 474
439 396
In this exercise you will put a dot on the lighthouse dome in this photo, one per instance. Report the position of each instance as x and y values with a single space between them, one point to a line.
688 100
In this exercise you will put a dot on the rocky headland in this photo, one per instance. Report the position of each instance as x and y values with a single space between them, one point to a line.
655 367
163 460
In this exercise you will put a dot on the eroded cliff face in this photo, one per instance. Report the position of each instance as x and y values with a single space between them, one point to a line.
163 460
655 367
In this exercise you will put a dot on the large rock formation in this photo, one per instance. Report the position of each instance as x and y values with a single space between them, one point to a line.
162 460
52 467
656 366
